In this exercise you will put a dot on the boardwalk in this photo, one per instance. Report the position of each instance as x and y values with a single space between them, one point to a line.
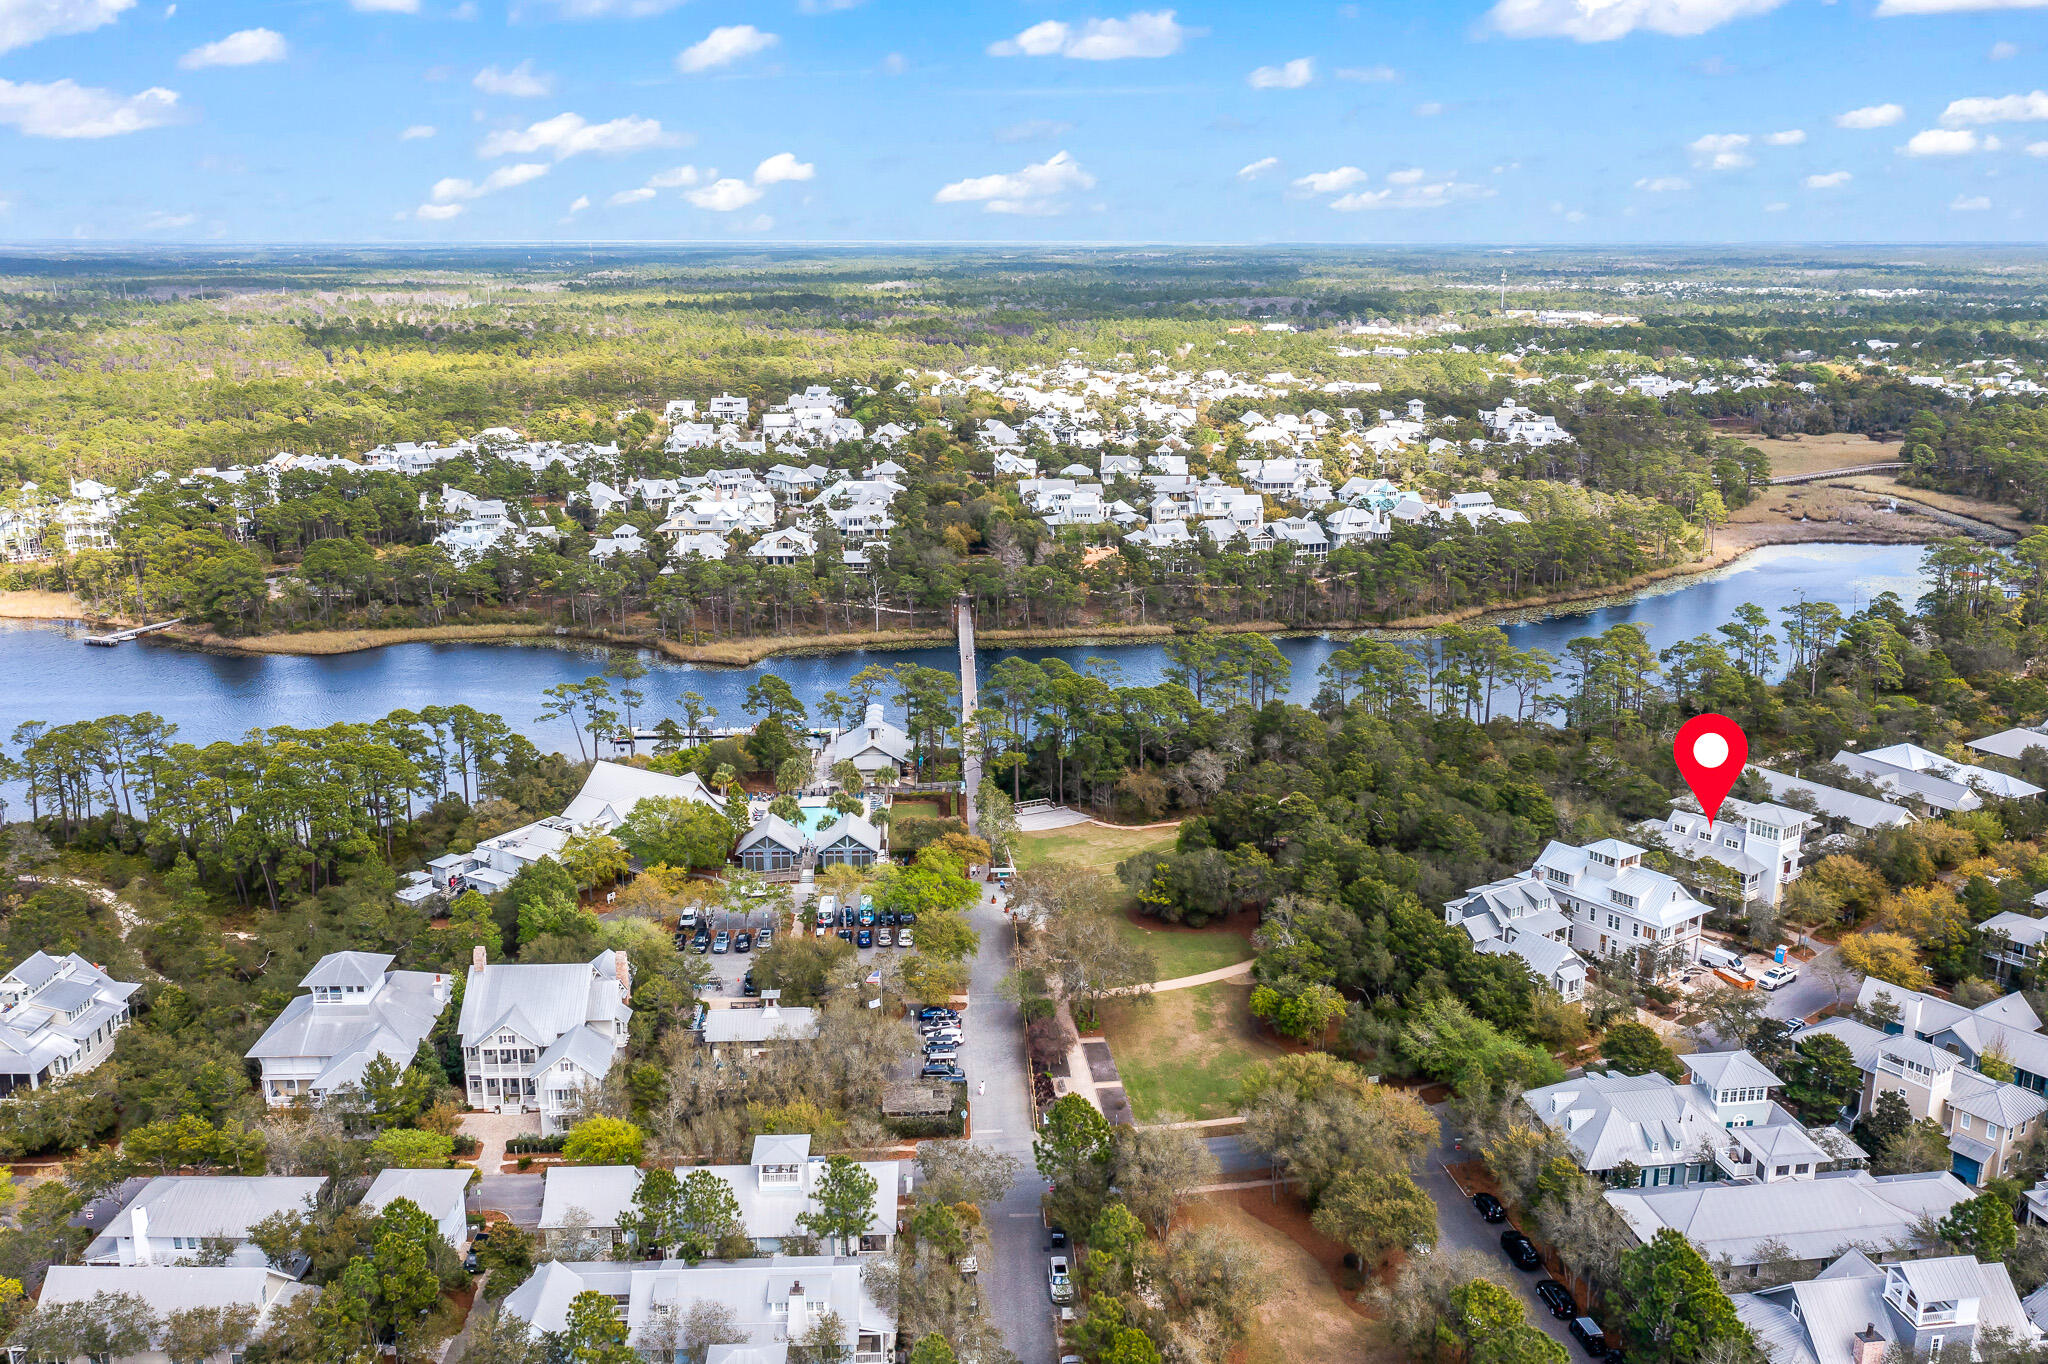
1819 475
970 701
132 632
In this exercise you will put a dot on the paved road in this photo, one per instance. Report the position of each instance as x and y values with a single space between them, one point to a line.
1014 1285
517 1196
1460 1227
1806 995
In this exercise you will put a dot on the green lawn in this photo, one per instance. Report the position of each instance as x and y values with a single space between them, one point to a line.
1182 1054
914 809
1187 954
1089 845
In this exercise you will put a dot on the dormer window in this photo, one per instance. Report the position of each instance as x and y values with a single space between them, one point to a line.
1622 898
780 1175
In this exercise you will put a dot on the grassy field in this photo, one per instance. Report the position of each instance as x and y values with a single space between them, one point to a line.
1303 1316
1809 454
1089 845
1187 954
914 809
1182 1053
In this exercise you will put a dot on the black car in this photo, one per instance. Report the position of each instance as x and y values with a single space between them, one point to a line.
846 935
867 938
908 916
702 942
943 1070
1055 1239
1520 1249
747 986
470 1264
1612 1357
1558 1299
887 918
1490 1207
743 941
941 1044
1587 1332
931 1011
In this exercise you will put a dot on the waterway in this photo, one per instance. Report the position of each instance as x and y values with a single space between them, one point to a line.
46 673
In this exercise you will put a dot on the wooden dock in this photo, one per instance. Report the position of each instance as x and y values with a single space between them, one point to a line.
133 632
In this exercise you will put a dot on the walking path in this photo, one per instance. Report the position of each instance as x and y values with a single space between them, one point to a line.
1243 968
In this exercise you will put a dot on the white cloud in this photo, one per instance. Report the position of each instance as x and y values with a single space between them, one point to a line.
1871 116
1287 76
724 196
677 177
1035 190
64 108
1258 168
781 167
1996 109
1144 33
611 9
2037 149
723 46
247 48
389 7
1829 180
1599 21
1410 176
1721 151
1034 130
1791 137
1663 184
1891 7
577 205
2003 51
567 135
1367 74
895 64
519 82
760 222
1969 203
452 188
27 21
1442 194
1942 142
1429 109
438 213
417 131
1331 181
162 221
630 196
1778 207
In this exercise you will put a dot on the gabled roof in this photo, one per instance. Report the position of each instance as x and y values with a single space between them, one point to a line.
603 1193
1814 1218
547 999
434 1192
211 1205
348 968
772 828
1730 1070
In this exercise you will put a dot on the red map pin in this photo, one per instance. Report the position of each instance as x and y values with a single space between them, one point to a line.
1711 751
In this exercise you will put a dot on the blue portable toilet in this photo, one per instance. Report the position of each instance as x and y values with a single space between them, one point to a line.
1779 955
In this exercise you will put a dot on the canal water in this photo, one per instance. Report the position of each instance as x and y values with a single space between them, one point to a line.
46 673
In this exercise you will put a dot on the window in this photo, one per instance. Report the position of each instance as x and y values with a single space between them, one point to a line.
1622 898
1966 1122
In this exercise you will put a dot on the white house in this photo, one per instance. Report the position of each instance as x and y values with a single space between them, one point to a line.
535 1035
783 546
586 1200
872 745
1759 843
173 1217
1921 777
165 1289
777 1301
440 1194
58 1017
775 1187
1917 1309
1618 907
1518 916
356 1009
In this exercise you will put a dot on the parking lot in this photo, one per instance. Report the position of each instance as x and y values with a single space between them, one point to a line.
730 967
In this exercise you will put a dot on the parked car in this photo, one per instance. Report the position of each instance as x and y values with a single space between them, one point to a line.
866 938
470 1264
743 941
1558 1299
937 1045
722 943
1056 1239
765 939
702 942
828 909
1613 1356
952 1033
931 1011
1587 1332
934 1070
867 917
846 935
907 917
747 986
1520 1249
1490 1207
903 937
1777 978
688 921
1058 1280
947 1057
885 936
887 918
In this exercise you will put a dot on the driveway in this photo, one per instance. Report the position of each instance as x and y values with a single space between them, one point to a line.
1806 995
1460 1227
517 1196
1014 1285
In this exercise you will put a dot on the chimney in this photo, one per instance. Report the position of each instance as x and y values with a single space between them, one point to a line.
798 1320
1870 1347
477 957
139 1221
624 971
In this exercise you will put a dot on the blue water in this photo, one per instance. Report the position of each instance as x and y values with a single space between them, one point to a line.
46 674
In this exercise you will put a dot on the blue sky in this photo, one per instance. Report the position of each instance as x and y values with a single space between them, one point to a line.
1040 120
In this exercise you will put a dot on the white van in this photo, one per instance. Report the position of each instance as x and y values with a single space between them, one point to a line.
1719 957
